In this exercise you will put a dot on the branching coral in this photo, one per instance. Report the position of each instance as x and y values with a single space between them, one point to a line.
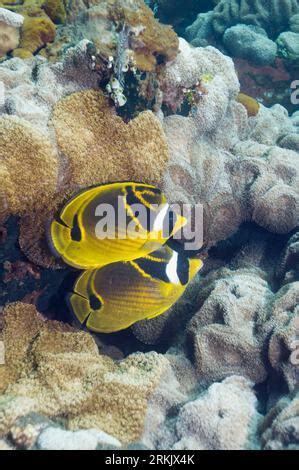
61 373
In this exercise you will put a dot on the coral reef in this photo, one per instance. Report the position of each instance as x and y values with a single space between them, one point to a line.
274 15
218 139
10 24
249 29
75 143
281 426
64 375
226 372
50 28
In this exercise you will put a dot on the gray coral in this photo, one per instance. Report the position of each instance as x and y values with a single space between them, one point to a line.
272 15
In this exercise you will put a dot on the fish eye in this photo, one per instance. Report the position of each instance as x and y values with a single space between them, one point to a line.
94 302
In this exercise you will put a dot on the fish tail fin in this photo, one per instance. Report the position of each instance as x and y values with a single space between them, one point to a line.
60 238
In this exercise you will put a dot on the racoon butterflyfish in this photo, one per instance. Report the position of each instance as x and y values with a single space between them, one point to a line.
126 233
117 295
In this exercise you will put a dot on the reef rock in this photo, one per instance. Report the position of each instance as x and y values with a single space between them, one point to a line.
10 24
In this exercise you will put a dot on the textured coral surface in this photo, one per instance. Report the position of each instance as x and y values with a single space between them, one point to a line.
219 370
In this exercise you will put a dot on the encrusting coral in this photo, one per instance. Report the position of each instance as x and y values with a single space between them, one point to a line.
57 371
37 28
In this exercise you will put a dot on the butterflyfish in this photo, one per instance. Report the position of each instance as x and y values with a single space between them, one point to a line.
117 295
85 239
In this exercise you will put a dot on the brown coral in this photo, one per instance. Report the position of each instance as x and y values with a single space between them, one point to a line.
36 33
101 147
61 373
95 146
151 39
28 166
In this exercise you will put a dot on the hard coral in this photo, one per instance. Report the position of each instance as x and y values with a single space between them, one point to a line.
61 373
97 147
28 166
273 15
10 24
91 136
36 33
150 39
56 10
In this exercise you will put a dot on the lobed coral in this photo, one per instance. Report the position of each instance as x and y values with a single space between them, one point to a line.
181 416
219 139
273 15
84 143
26 190
248 29
279 430
57 371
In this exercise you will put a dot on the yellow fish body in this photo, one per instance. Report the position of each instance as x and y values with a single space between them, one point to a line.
73 234
117 295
